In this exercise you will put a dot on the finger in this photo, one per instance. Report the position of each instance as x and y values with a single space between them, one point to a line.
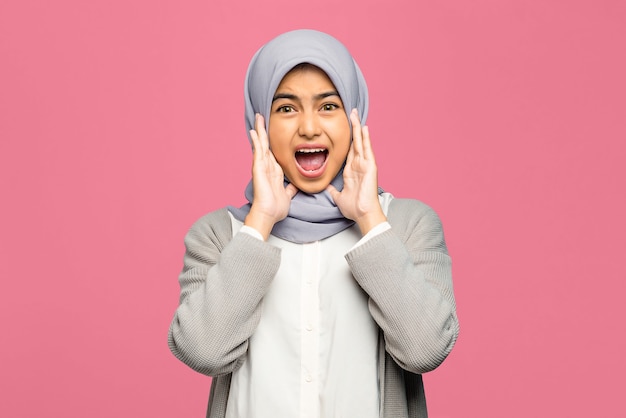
272 159
368 153
291 190
334 193
259 126
350 155
357 139
254 138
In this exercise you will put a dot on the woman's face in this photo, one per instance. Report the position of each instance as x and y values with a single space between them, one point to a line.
309 132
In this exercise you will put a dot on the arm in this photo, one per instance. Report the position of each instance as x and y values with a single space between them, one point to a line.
222 285
406 271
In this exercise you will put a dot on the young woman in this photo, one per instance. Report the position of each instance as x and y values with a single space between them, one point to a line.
324 296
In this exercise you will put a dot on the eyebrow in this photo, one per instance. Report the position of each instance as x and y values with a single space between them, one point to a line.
320 96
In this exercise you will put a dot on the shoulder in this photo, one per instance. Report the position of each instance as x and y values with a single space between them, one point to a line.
410 210
218 218
414 220
214 226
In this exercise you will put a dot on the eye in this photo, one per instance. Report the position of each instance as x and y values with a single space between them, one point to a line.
327 107
285 109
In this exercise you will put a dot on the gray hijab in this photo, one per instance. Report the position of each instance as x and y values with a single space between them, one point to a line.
311 217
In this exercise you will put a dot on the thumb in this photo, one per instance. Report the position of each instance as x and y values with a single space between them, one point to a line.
291 190
334 193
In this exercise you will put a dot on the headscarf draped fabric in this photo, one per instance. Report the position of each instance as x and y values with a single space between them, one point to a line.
311 217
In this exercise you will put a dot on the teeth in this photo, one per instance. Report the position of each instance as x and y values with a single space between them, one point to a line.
311 150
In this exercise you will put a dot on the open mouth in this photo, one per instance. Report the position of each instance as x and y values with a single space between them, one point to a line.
311 160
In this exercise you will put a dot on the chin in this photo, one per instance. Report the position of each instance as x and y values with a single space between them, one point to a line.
312 190
311 187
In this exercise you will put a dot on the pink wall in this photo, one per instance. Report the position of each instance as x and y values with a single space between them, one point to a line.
121 122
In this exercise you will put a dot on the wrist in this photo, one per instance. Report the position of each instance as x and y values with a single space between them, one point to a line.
370 220
260 222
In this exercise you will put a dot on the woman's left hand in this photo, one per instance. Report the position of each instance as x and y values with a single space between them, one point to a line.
359 198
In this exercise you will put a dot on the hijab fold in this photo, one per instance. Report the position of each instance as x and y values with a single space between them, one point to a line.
311 217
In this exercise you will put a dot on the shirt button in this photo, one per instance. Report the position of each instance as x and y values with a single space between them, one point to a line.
308 378
309 327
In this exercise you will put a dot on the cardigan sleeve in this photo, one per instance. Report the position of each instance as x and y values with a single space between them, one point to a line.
406 271
221 291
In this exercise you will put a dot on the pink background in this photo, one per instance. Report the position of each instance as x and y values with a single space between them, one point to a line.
121 122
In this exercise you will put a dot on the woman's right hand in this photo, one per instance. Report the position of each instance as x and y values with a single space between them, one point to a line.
271 198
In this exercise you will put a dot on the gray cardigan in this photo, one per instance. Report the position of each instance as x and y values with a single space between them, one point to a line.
406 271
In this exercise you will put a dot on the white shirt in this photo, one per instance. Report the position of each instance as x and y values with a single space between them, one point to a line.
314 353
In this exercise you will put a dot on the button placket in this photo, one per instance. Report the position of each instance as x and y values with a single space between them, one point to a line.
309 318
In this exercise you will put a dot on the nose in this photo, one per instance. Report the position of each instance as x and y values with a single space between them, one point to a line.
309 125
